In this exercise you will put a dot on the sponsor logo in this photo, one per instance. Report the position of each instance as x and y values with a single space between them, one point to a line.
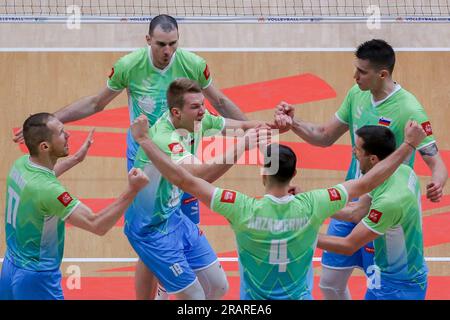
65 198
189 200
176 148
334 194
369 250
228 196
375 215
427 128
206 72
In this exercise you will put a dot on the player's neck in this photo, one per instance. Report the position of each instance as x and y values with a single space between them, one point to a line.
386 88
277 190
44 161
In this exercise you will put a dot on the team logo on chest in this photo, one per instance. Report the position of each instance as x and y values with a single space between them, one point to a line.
384 121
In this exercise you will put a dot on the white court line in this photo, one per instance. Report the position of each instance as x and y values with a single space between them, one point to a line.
223 259
220 49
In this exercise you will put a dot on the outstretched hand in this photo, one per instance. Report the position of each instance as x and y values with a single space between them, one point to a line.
137 179
414 133
18 136
82 152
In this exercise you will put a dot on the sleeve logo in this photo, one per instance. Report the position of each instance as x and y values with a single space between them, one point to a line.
112 73
176 148
206 72
65 198
228 196
375 215
427 128
334 194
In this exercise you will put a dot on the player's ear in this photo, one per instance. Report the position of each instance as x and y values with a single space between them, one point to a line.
384 74
175 112
44 146
148 38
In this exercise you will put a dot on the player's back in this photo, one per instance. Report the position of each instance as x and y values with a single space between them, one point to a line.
276 238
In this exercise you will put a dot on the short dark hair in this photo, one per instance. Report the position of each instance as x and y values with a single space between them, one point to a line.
178 88
287 162
379 53
377 140
166 22
35 131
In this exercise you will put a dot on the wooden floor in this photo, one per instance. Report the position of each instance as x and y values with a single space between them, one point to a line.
46 81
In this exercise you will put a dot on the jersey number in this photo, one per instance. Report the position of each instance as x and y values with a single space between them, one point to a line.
278 254
13 205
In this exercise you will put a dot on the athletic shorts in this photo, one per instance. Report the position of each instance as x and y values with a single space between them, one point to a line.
175 257
363 258
21 284
386 291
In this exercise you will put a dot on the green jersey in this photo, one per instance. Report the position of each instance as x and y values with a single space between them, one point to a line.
36 207
159 199
396 215
359 109
276 238
147 85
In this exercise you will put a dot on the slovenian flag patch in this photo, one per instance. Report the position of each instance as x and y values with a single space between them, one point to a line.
384 121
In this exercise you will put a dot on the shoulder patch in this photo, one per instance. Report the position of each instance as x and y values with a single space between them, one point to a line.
228 196
334 194
65 198
375 215
112 73
176 148
206 72
427 128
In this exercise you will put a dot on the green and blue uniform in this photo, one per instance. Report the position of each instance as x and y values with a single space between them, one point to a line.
36 207
168 242
276 238
399 249
358 110
147 88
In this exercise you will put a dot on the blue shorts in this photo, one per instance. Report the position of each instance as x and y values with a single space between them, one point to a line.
21 284
175 257
388 292
363 258
190 207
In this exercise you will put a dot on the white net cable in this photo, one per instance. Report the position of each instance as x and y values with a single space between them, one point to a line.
276 11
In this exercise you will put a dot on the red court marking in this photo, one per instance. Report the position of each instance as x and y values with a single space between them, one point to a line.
428 205
267 94
122 269
106 144
122 288
211 218
250 98
435 229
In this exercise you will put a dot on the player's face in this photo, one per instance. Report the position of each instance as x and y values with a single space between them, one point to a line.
59 143
365 75
361 155
163 45
193 111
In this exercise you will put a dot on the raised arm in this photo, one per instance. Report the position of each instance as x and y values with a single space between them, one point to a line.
67 163
83 217
176 174
223 104
86 106
322 135
414 134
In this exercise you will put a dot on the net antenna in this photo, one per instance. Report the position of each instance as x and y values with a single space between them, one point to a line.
226 11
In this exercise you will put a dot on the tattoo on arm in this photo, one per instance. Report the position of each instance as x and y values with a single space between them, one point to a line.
430 150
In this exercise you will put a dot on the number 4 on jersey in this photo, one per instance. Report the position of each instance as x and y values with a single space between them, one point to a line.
278 254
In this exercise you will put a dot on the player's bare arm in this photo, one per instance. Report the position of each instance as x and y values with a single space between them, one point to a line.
65 164
439 174
359 236
223 104
354 211
414 134
83 217
322 135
